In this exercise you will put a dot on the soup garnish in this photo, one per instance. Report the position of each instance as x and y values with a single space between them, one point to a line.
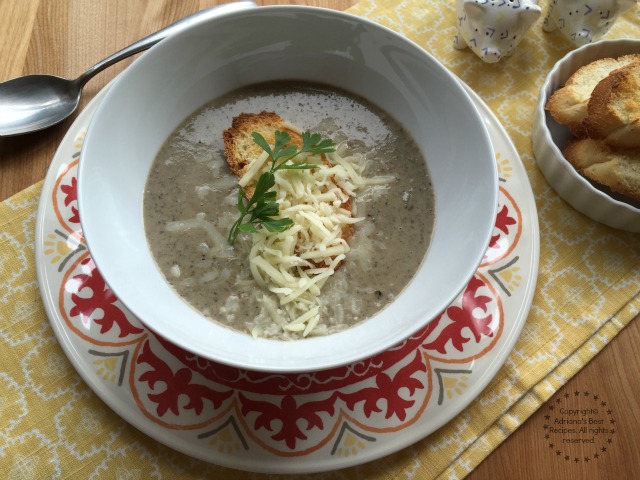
294 262
261 206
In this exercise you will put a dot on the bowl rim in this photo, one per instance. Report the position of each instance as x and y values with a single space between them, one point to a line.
353 356
546 91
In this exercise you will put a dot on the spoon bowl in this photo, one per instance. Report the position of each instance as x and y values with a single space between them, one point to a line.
36 102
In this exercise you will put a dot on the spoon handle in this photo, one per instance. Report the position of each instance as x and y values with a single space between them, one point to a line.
151 40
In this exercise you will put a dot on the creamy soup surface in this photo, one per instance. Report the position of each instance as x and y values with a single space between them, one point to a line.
190 197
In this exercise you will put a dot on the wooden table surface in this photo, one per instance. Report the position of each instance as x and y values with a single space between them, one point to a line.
64 37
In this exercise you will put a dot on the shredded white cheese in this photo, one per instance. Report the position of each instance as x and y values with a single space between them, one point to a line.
295 264
220 243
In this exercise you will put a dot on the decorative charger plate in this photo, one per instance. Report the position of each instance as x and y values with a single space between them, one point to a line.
315 421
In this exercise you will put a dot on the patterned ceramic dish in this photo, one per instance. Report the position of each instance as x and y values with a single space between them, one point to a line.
203 62
290 423
549 138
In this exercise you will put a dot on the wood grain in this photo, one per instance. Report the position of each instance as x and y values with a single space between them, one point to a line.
64 37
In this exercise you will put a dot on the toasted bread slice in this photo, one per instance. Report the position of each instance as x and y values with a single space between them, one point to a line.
241 149
239 146
613 112
568 105
619 170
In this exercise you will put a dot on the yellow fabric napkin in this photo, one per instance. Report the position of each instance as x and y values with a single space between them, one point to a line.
53 426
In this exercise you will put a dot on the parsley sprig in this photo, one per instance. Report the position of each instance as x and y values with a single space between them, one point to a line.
262 208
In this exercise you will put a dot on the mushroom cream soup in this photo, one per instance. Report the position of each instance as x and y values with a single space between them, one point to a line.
190 206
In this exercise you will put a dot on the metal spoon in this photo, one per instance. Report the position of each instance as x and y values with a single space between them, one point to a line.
36 102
